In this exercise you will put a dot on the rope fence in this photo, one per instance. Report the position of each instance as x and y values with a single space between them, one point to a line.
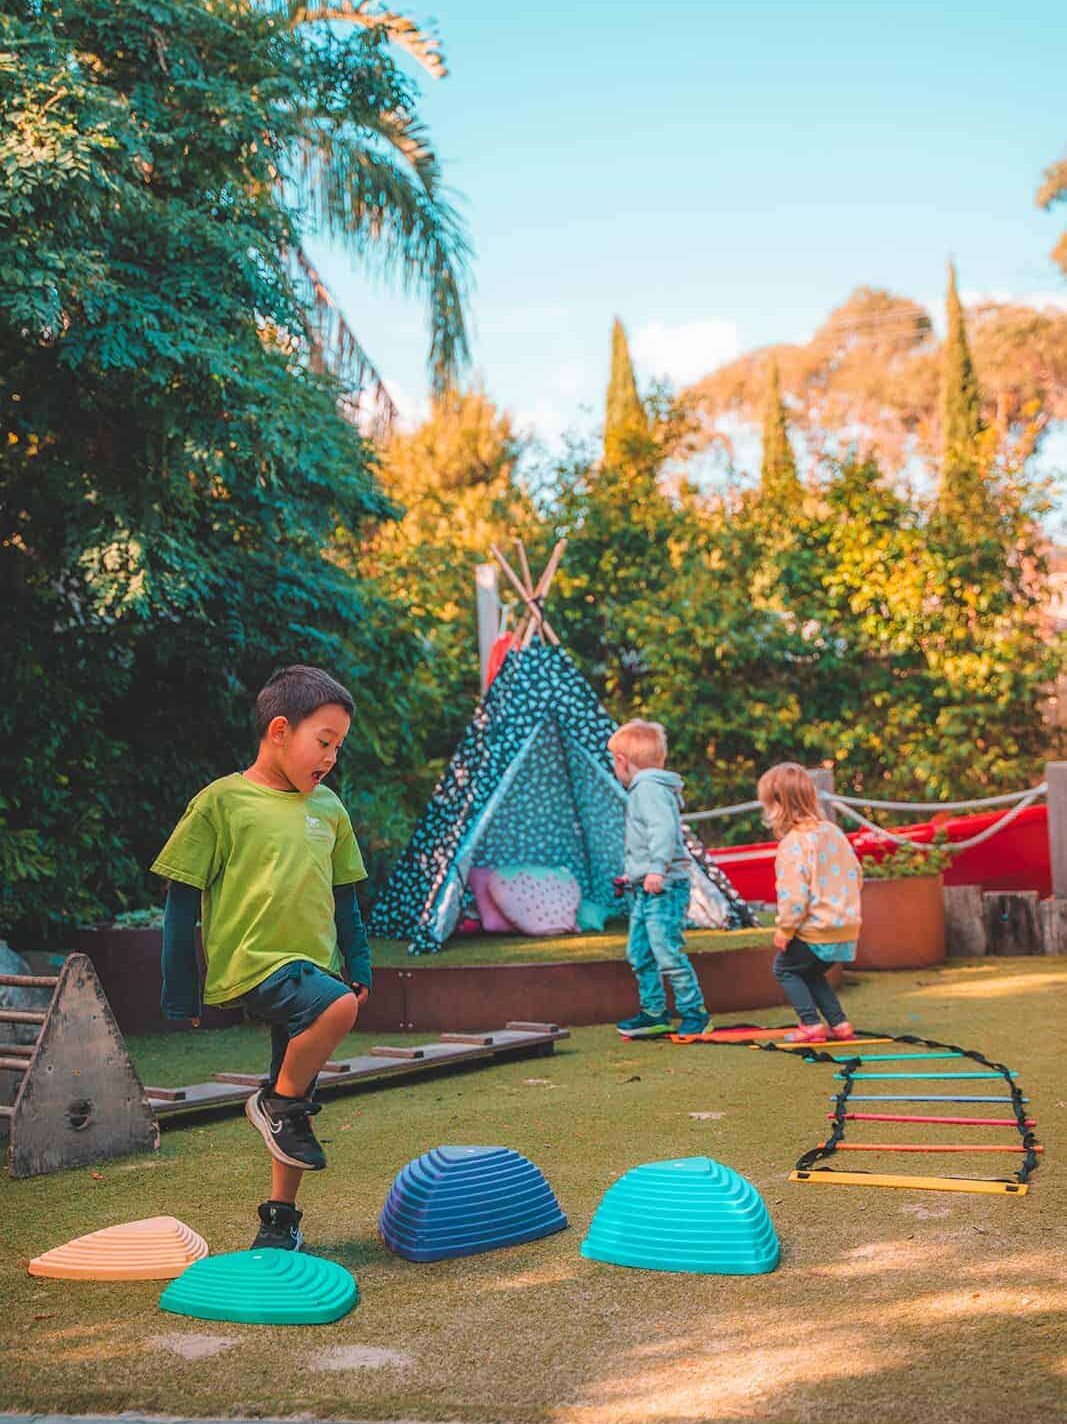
1017 801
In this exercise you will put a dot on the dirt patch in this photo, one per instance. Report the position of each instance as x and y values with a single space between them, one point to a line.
193 1347
360 1357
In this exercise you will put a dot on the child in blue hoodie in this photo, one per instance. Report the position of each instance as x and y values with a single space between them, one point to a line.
657 867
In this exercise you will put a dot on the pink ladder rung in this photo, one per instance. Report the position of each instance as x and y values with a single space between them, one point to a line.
956 1121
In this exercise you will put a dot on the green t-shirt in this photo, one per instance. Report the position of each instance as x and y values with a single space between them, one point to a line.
266 862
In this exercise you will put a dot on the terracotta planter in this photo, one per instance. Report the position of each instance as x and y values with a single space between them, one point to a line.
903 924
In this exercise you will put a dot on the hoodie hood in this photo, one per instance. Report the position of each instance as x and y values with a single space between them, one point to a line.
670 779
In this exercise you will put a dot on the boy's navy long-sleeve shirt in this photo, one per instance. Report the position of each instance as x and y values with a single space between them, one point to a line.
181 997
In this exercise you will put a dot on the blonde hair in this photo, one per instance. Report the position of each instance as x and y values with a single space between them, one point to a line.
787 794
643 744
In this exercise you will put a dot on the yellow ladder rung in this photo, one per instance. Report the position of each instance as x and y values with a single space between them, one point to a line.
930 1184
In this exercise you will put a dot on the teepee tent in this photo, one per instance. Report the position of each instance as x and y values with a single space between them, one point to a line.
530 783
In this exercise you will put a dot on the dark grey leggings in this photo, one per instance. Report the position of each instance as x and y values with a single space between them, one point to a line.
802 974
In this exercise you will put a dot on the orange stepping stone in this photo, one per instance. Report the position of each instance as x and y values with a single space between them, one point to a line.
156 1249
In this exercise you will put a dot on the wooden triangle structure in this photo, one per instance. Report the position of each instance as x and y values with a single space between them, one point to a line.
533 596
79 1099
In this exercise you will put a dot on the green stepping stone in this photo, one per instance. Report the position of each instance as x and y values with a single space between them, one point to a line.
688 1214
263 1288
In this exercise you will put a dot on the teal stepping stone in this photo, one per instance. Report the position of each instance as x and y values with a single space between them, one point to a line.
689 1214
263 1287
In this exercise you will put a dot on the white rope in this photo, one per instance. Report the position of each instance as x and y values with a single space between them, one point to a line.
1004 800
735 810
954 847
740 808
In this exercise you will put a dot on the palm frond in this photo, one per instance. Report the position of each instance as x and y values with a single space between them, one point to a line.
400 30
333 346
379 210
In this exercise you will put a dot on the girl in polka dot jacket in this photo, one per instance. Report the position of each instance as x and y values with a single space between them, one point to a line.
817 884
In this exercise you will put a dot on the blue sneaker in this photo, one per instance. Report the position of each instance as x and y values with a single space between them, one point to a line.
644 1025
693 1025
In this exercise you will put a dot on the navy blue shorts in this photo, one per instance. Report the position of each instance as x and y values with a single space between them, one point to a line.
290 1000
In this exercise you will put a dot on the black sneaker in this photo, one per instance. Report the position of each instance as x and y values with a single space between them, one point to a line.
285 1126
279 1227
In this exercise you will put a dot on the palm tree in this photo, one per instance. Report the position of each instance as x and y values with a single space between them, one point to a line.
366 175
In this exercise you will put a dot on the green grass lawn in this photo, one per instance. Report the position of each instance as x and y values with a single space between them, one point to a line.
895 1307
524 949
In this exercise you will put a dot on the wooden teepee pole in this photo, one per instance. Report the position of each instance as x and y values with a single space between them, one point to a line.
532 597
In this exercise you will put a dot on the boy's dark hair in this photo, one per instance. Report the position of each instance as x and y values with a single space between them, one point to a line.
294 693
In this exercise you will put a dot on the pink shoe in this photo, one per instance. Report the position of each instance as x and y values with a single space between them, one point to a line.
843 1030
807 1033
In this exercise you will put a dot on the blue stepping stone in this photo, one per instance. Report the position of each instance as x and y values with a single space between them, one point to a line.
690 1214
457 1201
263 1287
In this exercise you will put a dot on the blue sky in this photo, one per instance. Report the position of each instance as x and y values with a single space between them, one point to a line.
721 174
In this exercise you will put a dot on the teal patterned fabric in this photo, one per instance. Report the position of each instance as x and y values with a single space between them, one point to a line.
530 783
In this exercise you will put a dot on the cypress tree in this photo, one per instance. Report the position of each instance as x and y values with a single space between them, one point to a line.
960 410
779 483
625 420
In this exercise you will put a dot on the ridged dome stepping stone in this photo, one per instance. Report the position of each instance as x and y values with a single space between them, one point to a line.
156 1249
456 1201
264 1287
689 1214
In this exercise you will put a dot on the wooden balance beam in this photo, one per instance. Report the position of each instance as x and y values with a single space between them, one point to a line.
230 1090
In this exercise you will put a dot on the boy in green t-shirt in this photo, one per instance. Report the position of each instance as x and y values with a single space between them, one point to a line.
269 858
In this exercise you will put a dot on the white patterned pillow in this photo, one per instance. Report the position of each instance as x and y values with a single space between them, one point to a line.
537 899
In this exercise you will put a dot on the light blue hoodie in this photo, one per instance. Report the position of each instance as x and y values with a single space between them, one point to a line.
654 844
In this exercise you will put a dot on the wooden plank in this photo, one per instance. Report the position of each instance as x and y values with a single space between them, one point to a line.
518 1026
483 1038
29 981
926 1184
244 1080
18 1050
14 1065
166 1095
369 1068
23 1016
7 1112
385 1050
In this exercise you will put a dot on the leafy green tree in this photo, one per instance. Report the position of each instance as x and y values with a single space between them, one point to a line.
873 370
625 418
961 483
780 487
362 167
173 471
457 478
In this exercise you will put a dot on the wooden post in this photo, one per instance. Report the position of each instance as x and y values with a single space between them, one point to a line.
487 604
823 777
965 931
1056 777
1054 910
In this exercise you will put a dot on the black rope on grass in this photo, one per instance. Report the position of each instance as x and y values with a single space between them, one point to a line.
806 1162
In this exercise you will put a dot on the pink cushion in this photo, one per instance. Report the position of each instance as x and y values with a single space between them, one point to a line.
538 899
493 921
